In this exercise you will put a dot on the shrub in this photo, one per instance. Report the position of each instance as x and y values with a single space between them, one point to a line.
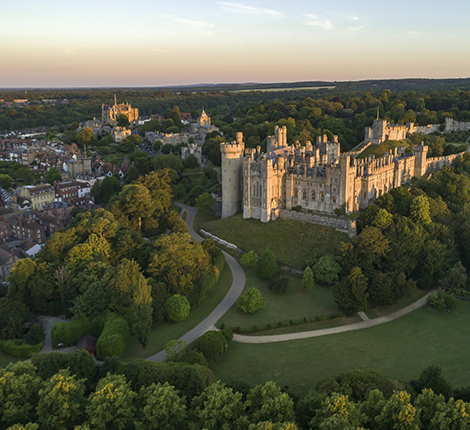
326 270
442 301
249 259
267 265
35 335
177 308
193 357
114 339
211 344
279 282
19 349
307 279
68 333
251 301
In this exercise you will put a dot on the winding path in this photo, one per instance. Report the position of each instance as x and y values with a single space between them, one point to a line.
236 289
231 297
333 330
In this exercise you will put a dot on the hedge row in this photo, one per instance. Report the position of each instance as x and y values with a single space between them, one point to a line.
19 348
68 333
114 338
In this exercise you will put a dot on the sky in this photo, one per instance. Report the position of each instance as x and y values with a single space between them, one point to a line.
135 43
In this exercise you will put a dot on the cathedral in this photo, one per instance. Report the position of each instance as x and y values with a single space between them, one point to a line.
315 178
110 113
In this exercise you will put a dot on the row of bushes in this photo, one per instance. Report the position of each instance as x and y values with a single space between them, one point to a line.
68 333
114 339
289 323
19 348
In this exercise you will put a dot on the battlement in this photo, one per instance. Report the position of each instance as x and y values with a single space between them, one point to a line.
232 148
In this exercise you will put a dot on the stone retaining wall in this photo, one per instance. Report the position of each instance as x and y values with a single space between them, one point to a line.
342 224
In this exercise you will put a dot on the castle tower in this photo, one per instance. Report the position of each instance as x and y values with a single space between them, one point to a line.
231 169
420 152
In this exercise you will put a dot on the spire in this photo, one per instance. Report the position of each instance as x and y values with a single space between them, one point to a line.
115 102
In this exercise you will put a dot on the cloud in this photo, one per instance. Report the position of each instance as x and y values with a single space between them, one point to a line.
359 27
413 32
318 22
195 24
159 50
250 10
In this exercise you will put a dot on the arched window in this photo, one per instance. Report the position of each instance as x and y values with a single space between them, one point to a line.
334 189
256 189
333 199
304 194
314 196
322 197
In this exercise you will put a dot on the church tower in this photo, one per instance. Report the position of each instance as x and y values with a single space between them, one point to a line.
231 169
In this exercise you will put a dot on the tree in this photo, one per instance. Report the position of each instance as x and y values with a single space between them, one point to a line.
52 175
82 365
326 270
6 181
419 210
307 279
35 335
398 413
143 310
174 347
60 402
110 406
176 116
122 121
13 314
211 344
279 282
268 403
218 407
351 295
163 408
249 259
85 135
204 201
432 378
19 387
251 301
177 308
267 265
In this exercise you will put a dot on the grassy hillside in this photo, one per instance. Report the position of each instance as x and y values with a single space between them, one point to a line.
294 243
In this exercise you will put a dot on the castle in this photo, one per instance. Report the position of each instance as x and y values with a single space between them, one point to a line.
110 113
315 179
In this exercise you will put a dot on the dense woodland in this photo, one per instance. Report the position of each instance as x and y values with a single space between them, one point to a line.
69 391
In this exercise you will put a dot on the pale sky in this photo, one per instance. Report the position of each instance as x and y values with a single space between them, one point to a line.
96 43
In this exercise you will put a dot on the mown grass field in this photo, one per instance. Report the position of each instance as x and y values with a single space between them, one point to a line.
295 304
401 348
294 243
163 333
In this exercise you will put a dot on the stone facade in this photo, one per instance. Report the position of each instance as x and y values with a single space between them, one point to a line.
315 179
452 125
110 113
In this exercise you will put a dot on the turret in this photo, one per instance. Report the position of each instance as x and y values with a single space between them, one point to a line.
231 169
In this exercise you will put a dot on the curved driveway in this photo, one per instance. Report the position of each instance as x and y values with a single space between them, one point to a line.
231 297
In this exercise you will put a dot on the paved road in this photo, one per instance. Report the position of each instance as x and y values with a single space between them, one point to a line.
236 289
341 329
47 322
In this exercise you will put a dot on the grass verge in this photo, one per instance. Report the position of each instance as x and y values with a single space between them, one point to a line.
6 359
401 348
163 333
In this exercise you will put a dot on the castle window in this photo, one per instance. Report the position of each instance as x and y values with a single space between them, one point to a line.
333 199
314 196
296 192
322 197
256 189
365 194
334 189
304 194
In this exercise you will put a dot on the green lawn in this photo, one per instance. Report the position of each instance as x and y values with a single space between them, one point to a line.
294 243
295 304
401 348
5 359
163 333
